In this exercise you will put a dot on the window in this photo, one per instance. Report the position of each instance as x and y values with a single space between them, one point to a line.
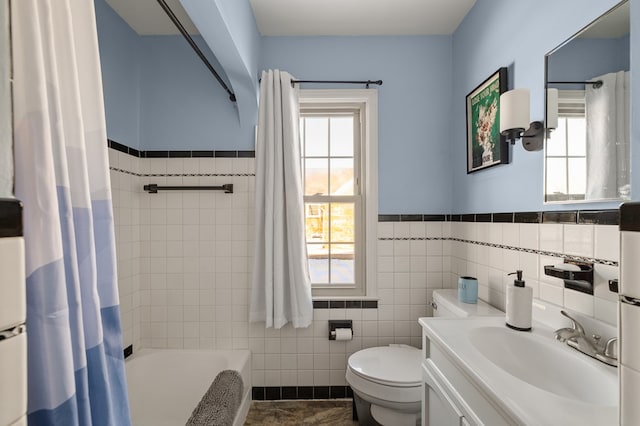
337 146
567 149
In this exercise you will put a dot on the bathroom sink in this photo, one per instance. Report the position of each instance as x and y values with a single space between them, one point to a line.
546 364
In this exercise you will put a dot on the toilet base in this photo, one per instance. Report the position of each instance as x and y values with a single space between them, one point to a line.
386 416
363 408
375 415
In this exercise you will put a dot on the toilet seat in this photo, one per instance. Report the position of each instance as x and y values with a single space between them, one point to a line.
389 377
392 366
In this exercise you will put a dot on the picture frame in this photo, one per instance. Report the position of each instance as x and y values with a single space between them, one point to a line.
485 146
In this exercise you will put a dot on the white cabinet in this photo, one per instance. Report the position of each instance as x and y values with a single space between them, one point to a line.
452 399
442 409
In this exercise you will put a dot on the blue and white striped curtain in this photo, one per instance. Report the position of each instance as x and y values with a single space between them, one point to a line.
75 361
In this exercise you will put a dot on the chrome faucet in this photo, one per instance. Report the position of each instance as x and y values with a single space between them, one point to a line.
576 337
563 334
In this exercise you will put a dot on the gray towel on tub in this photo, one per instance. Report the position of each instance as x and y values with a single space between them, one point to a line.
221 402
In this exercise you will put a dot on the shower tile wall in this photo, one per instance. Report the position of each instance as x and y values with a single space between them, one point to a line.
125 192
184 261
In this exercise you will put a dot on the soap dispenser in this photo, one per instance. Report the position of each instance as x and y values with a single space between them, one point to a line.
519 304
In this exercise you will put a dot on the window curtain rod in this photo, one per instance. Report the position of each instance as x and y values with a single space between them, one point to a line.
194 46
596 83
367 82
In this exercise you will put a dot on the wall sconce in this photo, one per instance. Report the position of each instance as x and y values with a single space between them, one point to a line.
514 120
552 110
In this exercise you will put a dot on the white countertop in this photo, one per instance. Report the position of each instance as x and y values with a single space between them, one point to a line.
523 401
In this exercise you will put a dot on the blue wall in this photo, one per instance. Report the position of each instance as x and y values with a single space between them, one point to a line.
159 96
414 106
119 52
515 34
182 104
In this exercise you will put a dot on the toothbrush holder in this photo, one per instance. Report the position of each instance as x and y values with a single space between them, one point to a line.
468 290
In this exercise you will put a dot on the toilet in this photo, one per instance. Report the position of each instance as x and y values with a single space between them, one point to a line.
386 381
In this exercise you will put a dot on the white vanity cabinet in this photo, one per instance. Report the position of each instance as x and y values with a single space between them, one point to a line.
476 371
450 398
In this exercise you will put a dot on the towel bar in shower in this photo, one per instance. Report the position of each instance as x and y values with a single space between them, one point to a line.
153 188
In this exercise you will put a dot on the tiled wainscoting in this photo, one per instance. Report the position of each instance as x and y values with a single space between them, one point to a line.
184 265
489 251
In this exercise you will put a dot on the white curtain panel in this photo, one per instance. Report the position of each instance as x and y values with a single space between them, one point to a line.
75 359
607 116
281 291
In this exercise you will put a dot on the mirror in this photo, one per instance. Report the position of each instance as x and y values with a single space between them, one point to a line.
587 113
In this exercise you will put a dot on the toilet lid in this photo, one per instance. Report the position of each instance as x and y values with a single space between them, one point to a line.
389 365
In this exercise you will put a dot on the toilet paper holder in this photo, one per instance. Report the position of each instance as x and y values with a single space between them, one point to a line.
333 324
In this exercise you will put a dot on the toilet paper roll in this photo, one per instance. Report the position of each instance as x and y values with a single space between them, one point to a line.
344 334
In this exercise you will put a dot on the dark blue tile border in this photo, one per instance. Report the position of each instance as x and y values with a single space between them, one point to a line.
434 217
630 217
345 304
527 217
410 218
202 154
596 217
483 217
10 218
179 153
388 218
502 217
156 154
560 217
274 393
599 217
257 393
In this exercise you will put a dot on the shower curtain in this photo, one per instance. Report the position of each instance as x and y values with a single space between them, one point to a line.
75 359
607 116
281 289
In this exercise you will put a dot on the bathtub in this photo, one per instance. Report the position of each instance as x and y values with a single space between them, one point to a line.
165 385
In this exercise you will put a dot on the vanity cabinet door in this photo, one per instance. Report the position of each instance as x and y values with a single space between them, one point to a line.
442 410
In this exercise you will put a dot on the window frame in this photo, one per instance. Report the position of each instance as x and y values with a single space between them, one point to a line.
366 101
571 104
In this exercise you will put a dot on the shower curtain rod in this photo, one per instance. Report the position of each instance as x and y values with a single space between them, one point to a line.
194 46
596 83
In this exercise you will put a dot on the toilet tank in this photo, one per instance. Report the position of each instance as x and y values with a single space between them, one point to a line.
446 304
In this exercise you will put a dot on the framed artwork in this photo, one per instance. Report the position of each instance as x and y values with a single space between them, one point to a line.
485 146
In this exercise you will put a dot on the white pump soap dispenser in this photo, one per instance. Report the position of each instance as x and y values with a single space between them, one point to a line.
519 304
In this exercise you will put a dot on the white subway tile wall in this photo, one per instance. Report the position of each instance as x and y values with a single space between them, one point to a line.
599 241
185 259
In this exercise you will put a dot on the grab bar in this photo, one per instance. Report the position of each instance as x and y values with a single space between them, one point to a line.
153 188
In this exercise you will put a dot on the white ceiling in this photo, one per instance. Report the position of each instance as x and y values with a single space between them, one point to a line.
147 17
314 17
359 17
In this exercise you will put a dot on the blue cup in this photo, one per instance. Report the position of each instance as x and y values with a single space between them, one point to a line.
468 290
